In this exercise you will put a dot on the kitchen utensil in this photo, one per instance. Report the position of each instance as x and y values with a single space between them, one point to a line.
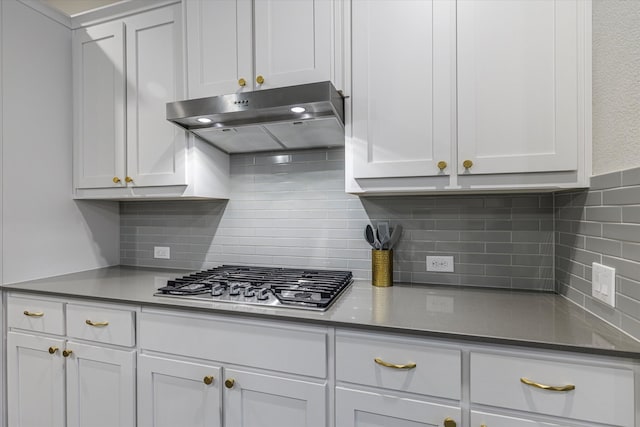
395 236
369 236
383 234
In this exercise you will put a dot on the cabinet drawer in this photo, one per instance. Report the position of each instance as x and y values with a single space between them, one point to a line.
602 393
268 345
34 314
101 324
437 370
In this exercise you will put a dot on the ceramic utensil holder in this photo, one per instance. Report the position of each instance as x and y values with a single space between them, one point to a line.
382 268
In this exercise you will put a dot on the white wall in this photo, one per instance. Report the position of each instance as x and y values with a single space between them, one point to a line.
616 85
45 232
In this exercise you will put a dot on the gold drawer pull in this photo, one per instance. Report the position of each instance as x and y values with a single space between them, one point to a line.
53 350
33 313
92 323
449 422
379 361
67 353
567 387
208 380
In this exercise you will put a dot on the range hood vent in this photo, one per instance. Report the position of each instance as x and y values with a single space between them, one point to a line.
287 118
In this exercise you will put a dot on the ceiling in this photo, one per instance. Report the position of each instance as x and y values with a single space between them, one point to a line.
73 7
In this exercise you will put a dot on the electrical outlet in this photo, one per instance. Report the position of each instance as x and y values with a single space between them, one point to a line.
163 252
440 263
603 283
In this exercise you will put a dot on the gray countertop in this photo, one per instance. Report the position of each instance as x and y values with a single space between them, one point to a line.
495 316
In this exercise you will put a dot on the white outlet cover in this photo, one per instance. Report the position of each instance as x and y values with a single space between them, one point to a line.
603 283
442 264
162 252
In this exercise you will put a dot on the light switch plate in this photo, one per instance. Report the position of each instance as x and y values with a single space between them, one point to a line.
603 284
162 252
440 263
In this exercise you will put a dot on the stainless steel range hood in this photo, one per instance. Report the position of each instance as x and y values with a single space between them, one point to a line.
287 118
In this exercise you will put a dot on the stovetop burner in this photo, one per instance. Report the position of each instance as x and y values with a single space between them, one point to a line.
281 287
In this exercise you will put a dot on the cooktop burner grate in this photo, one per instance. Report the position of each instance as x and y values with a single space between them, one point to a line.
284 287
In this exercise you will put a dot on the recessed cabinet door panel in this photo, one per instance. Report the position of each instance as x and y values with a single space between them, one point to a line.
100 386
401 87
35 381
518 85
174 393
155 147
219 46
99 99
292 41
257 400
355 408
482 418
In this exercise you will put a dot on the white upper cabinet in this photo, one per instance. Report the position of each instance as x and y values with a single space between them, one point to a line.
239 45
468 95
401 87
518 85
125 71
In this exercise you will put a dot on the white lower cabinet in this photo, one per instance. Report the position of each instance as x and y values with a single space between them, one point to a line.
178 393
56 380
256 400
357 408
479 419
35 381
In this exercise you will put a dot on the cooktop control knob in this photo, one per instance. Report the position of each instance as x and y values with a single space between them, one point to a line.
234 289
217 290
263 294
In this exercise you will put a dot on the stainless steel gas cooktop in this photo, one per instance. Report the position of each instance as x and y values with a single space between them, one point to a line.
278 287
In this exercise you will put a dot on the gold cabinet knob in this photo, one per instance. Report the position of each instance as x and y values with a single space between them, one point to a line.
67 353
33 313
259 80
208 380
442 165
98 324
229 383
53 350
467 164
449 422
128 179
116 180
242 82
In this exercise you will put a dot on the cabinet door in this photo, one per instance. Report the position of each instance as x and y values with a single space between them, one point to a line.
35 381
257 400
293 41
518 85
402 87
482 418
100 386
175 393
356 408
219 46
156 149
99 105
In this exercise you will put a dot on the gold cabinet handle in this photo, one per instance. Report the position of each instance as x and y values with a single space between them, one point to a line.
208 380
53 350
33 313
229 383
116 180
242 82
567 387
442 165
128 179
92 323
67 353
467 164
449 422
259 80
391 365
